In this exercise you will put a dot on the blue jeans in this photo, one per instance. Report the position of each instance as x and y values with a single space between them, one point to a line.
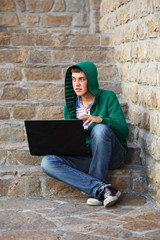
88 173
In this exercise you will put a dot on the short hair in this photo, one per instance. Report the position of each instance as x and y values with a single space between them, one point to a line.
76 69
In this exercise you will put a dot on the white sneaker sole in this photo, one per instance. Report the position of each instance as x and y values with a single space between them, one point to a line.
94 202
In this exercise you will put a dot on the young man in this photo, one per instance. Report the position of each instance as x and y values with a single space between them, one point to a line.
105 132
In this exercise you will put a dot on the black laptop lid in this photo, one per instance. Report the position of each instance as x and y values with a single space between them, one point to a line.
56 137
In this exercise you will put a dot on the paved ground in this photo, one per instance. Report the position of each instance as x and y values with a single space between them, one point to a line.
132 218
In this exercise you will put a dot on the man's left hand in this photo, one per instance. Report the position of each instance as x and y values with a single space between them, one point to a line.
89 119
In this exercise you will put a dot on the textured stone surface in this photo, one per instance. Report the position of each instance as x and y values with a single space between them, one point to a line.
132 218
40 39
134 31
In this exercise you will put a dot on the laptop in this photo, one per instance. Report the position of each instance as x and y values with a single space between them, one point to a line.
56 137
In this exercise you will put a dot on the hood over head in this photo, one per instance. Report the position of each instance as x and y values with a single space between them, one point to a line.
92 82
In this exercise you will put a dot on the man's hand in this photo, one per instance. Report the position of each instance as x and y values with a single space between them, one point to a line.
90 119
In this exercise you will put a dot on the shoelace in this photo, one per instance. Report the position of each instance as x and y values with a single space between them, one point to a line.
103 190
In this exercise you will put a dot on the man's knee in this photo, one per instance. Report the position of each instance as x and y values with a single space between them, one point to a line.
101 130
44 163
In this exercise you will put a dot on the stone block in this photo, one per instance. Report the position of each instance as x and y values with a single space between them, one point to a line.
155 148
4 185
120 179
51 112
39 57
50 40
151 75
56 188
74 5
34 188
23 112
155 52
62 55
145 8
131 136
156 173
107 72
105 41
9 20
134 155
151 27
11 134
88 40
5 40
7 5
155 123
105 7
10 74
158 196
22 157
14 93
23 40
124 106
119 54
146 121
55 21
21 5
119 31
26 234
111 86
40 5
29 20
133 92
46 92
143 52
135 115
13 56
123 15
25 186
43 73
155 95
4 113
17 187
141 31
95 55
59 6
139 184
96 4
80 20
3 157
145 97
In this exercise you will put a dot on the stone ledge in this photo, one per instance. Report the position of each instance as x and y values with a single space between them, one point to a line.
18 154
31 181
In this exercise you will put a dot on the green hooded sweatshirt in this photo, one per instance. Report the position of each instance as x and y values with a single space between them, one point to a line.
106 104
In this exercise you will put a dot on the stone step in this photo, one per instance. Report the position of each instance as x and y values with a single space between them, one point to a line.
30 181
18 154
45 39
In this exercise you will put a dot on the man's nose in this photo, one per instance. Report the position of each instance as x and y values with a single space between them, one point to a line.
77 82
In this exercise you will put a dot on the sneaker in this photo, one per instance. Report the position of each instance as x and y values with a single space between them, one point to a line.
108 194
94 202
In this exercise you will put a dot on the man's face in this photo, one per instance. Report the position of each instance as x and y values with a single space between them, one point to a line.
79 82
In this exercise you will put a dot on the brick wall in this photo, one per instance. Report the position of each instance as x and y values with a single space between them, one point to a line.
133 28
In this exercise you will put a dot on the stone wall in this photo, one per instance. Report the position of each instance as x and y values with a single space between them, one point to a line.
133 28
54 16
39 40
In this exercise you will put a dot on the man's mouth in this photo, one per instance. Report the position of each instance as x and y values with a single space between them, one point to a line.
78 89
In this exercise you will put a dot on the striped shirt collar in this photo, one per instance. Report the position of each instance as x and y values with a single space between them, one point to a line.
79 103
